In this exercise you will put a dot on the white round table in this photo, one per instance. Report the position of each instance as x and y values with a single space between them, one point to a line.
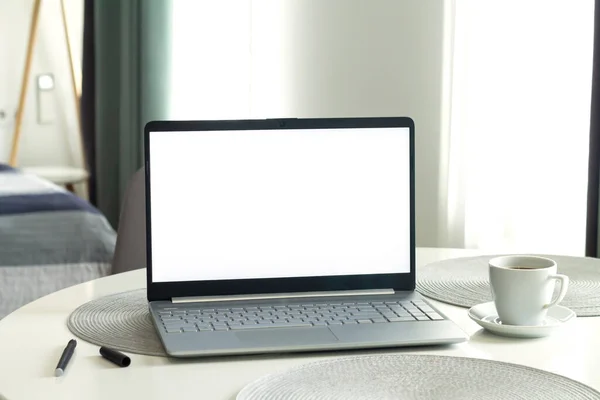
33 337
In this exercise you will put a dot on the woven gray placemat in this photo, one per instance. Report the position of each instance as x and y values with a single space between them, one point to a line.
414 377
120 321
464 282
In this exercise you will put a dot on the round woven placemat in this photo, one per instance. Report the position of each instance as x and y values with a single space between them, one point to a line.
464 282
120 321
414 377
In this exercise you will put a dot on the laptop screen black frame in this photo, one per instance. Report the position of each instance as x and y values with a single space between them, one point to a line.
168 290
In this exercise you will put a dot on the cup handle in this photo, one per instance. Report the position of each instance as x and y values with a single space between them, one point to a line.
564 284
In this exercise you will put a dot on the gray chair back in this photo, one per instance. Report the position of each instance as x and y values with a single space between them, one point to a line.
130 249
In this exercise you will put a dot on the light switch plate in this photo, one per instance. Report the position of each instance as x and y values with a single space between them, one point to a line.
46 101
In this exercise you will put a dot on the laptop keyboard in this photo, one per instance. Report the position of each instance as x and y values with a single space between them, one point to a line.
199 319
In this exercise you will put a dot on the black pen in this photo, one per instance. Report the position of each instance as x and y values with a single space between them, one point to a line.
66 356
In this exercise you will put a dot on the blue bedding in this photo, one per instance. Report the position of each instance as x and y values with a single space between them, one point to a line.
41 223
49 239
43 202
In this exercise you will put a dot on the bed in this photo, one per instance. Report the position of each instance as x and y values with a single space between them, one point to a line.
49 239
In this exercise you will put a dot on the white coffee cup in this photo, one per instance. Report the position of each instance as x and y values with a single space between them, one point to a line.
523 286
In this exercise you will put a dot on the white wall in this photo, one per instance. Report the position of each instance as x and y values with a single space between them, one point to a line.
316 58
57 143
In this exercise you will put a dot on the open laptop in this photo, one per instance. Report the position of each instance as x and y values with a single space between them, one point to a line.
284 235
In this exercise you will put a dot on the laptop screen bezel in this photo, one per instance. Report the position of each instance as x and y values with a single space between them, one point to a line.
168 290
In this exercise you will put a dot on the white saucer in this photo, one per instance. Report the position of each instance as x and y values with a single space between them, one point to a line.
486 315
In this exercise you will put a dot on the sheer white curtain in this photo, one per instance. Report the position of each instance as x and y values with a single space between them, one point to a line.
210 41
514 109
315 58
516 174
230 59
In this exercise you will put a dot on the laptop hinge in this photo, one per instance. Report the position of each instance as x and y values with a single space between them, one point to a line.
275 296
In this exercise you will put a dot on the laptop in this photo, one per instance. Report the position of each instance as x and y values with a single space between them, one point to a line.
284 235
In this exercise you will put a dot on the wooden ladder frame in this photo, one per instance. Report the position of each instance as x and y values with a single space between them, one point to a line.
25 82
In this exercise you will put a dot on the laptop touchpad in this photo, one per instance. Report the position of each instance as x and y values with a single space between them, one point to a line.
286 337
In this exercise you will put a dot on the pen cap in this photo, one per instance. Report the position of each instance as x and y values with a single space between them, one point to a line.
115 356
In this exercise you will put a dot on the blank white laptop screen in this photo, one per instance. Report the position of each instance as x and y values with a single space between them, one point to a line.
279 203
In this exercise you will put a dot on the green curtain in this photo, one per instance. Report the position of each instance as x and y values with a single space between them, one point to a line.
132 53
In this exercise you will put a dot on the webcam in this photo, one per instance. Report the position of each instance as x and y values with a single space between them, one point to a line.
282 123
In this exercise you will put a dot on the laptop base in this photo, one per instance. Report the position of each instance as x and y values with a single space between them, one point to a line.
305 338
